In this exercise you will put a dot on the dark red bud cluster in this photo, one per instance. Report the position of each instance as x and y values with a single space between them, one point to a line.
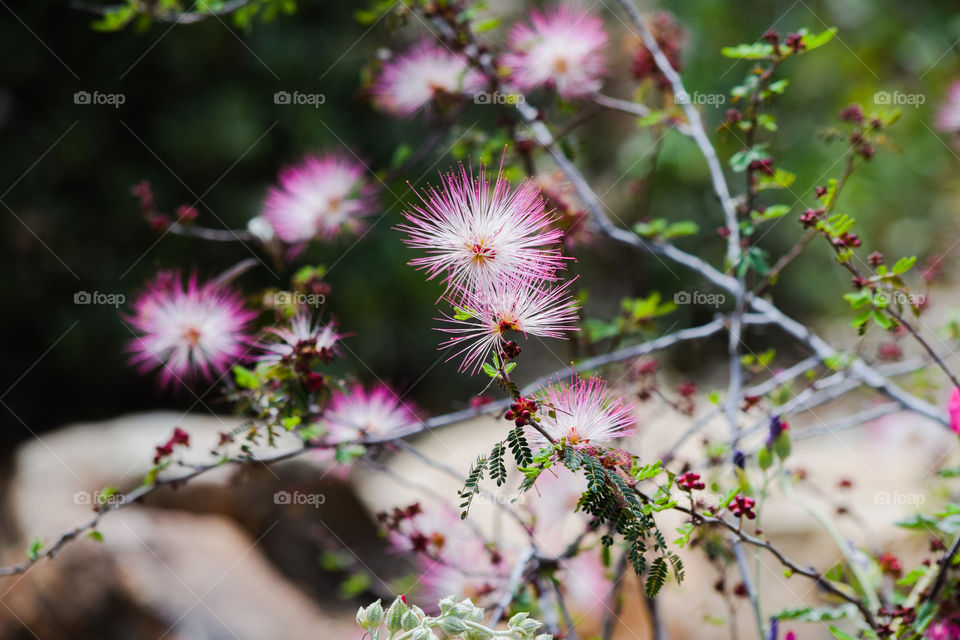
762 166
521 411
820 191
795 42
391 520
809 217
733 115
845 483
852 113
890 352
847 240
723 232
687 388
772 37
179 438
742 505
890 564
187 214
511 350
690 481
867 151
875 259
858 282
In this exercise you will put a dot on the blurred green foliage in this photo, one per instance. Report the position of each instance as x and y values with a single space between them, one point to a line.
200 123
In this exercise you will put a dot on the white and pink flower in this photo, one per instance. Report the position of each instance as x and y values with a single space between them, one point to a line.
561 49
356 413
485 317
188 331
318 198
303 332
582 412
412 80
476 232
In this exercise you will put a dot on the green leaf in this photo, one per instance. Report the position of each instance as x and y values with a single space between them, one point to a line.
780 179
882 319
771 213
486 25
678 229
246 379
812 42
778 87
490 370
841 635
95 536
756 51
33 551
904 264
115 19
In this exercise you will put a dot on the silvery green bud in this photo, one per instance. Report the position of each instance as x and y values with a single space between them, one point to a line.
452 625
446 605
518 618
373 615
361 618
530 625
394 615
544 636
421 634
410 620
479 634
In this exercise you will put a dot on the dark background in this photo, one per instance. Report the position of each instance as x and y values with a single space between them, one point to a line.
199 121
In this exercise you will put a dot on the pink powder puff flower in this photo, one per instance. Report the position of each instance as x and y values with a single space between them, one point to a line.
303 332
355 413
435 530
948 115
560 49
484 317
412 80
318 198
582 412
953 408
188 332
476 233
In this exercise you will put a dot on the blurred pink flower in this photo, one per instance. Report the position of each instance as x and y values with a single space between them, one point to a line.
943 631
355 413
476 233
485 316
318 198
186 332
587 584
412 80
560 49
582 412
953 408
948 115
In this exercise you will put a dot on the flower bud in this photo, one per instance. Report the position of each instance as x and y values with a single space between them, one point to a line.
452 625
394 615
410 620
373 615
518 618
